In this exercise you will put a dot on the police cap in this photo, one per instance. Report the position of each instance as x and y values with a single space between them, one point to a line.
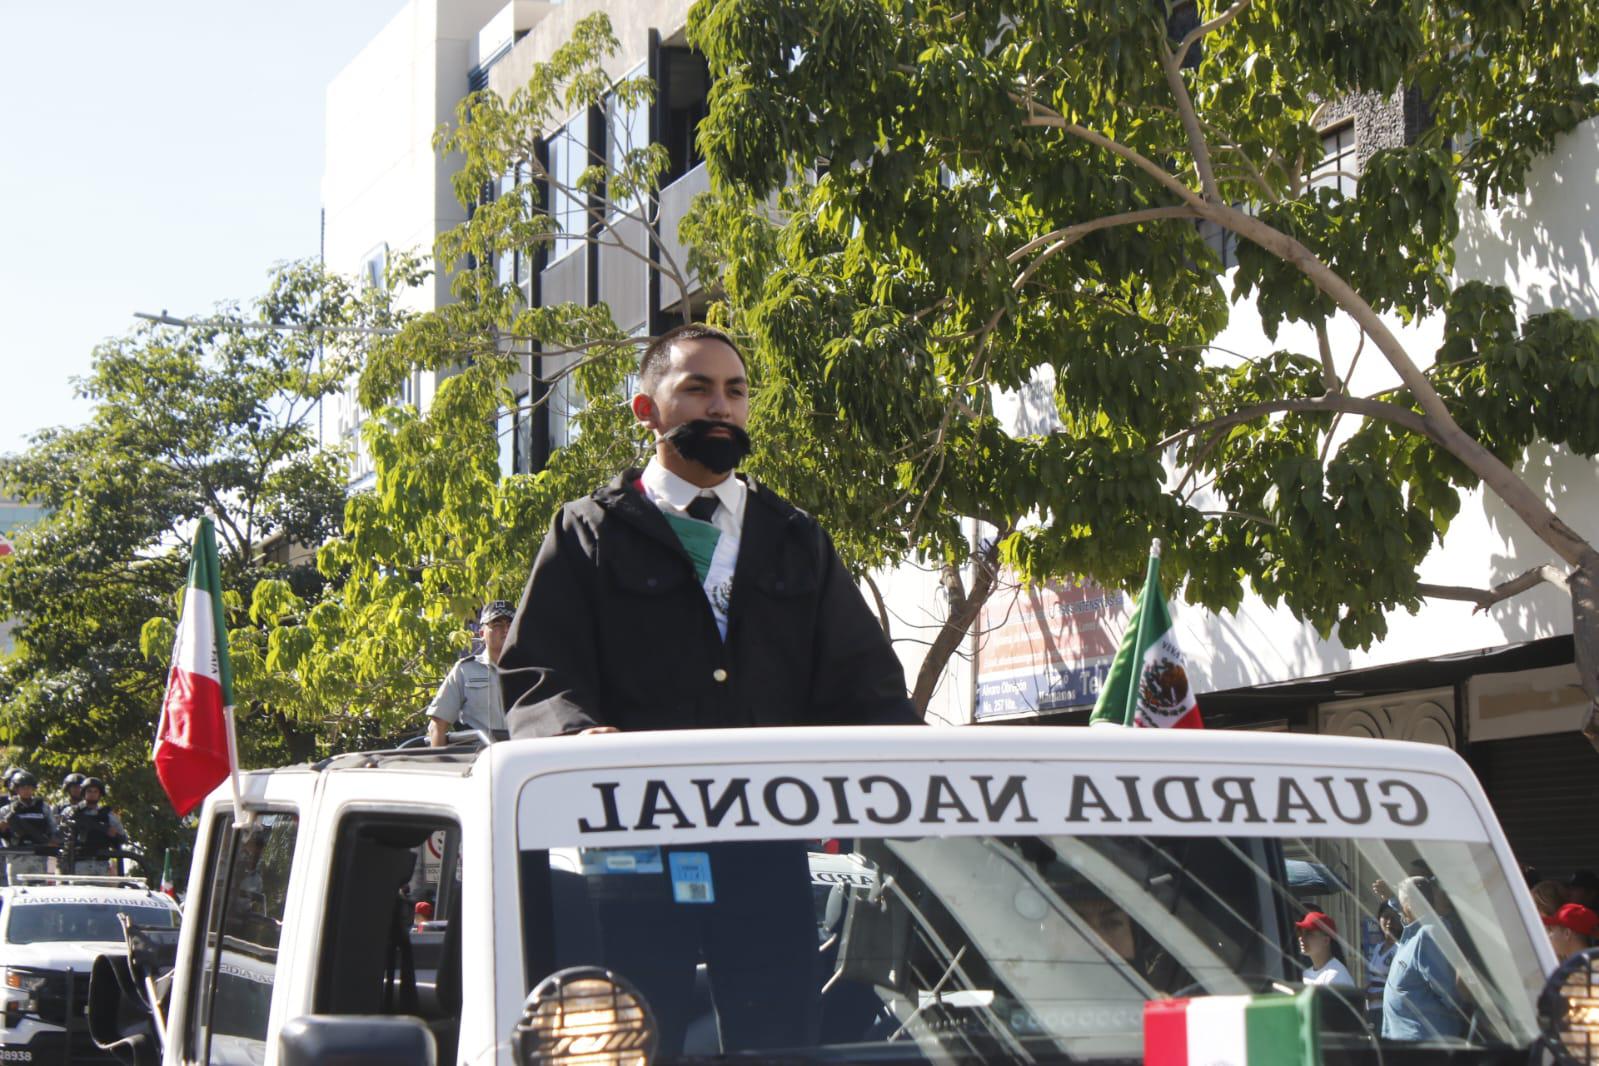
495 609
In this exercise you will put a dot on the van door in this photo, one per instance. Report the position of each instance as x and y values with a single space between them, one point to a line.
240 914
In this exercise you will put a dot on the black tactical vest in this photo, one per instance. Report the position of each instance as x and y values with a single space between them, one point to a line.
93 828
30 823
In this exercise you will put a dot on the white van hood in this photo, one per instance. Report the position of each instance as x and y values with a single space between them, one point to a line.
71 956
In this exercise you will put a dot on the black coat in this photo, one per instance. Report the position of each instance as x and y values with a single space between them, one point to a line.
614 628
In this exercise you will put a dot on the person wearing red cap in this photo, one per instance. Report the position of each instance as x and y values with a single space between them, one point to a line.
1316 933
1571 929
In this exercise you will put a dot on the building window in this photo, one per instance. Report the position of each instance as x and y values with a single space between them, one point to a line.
568 204
506 269
375 268
1339 168
684 84
627 129
565 401
505 434
522 449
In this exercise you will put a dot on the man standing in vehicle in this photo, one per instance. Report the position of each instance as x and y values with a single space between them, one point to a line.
685 596
72 789
95 830
30 824
469 698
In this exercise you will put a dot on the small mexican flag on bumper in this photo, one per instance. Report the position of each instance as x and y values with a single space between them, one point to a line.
1280 1030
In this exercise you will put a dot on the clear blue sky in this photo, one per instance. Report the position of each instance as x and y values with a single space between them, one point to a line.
161 154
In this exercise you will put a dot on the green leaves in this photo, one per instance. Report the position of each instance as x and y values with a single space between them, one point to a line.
981 302
220 419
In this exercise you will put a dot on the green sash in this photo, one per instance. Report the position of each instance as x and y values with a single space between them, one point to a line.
698 539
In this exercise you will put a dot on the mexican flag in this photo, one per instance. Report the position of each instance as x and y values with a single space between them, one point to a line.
1280 1030
194 743
166 875
1148 680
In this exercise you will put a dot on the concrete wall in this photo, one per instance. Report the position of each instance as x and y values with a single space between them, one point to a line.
383 186
630 21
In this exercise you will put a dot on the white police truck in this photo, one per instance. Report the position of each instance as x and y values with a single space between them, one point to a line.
872 894
52 929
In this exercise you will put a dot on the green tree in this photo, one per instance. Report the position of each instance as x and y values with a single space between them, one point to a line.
998 195
220 419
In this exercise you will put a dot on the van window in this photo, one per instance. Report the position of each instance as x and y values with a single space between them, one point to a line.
244 908
390 940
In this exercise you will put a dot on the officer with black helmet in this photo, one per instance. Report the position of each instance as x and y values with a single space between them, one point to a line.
31 825
72 788
95 830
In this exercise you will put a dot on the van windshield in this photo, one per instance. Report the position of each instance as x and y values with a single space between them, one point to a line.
1007 948
39 923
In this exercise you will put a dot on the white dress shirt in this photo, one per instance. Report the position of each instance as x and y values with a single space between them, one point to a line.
672 495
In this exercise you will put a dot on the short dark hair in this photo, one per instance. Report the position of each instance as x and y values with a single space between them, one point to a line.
652 364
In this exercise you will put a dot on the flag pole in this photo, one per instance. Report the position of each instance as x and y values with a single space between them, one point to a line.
241 817
1146 618
1136 636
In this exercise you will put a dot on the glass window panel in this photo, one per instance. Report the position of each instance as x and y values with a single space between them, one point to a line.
1339 168
627 130
569 157
242 948
1010 948
505 432
522 452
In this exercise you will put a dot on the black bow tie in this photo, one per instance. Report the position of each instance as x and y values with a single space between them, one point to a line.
702 507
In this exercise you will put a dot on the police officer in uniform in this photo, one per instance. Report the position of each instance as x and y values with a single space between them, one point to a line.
96 830
470 696
72 788
30 824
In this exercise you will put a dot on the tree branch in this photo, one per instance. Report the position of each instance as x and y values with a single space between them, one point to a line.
882 607
1329 369
1040 115
1190 117
1351 405
1066 237
1486 598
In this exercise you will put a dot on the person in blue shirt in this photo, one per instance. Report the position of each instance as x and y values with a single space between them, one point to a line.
1420 999
1380 959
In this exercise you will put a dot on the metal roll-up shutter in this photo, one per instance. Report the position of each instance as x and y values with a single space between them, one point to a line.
1545 790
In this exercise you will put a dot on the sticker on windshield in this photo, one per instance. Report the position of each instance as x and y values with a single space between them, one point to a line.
620 861
663 805
691 877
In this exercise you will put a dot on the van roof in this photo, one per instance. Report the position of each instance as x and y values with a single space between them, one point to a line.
820 743
801 744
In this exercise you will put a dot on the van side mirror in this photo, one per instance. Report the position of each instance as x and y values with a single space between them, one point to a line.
119 1017
357 1040
128 991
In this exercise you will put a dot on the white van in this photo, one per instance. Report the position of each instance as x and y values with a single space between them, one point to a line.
887 895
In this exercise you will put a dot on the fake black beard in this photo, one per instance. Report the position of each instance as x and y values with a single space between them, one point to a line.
716 454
